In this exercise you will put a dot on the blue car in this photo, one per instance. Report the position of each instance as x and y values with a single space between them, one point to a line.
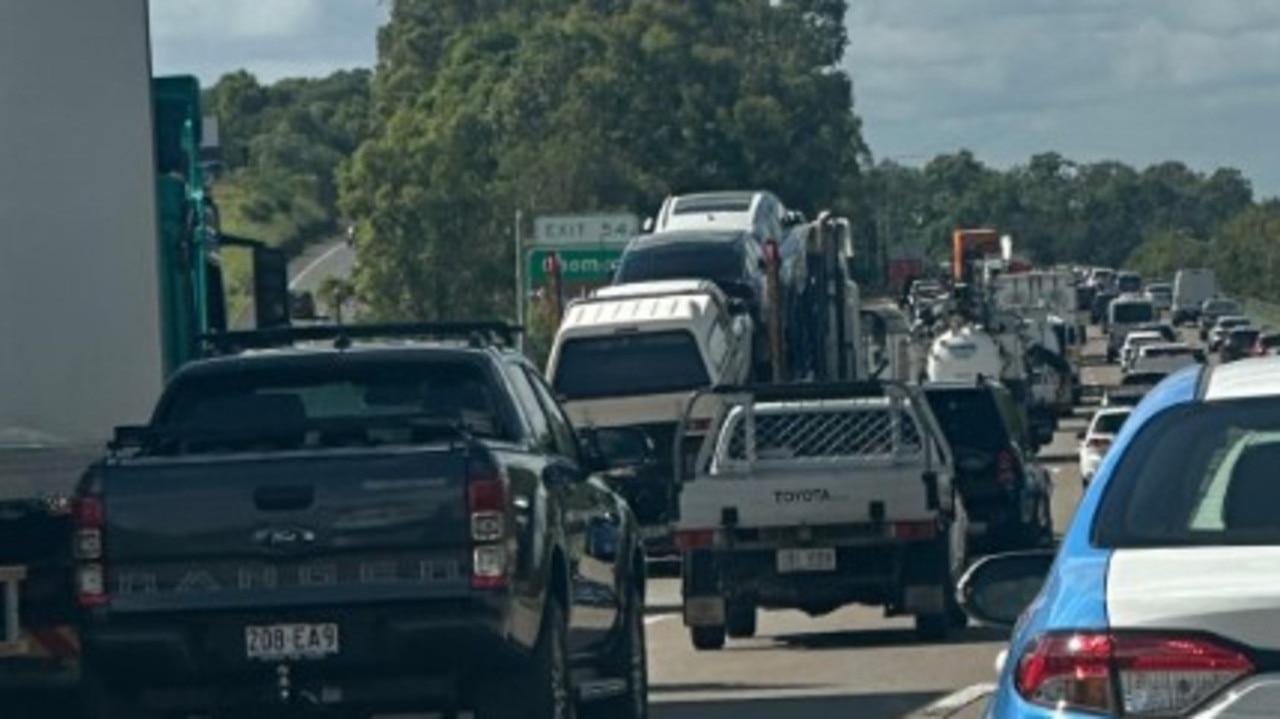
1163 599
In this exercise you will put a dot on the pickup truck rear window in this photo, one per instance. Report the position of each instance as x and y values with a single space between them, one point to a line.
334 404
1132 312
969 418
629 365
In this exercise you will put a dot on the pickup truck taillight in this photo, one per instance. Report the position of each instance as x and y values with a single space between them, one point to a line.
690 539
90 517
487 505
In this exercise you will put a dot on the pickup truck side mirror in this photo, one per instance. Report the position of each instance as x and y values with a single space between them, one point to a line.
738 306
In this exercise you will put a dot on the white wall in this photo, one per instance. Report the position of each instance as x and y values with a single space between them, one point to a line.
79 297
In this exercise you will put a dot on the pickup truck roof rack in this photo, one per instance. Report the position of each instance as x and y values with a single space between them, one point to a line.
807 390
478 334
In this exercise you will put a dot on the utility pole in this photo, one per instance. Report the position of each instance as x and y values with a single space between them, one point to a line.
520 318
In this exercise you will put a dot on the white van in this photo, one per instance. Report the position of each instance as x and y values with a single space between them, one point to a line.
1191 287
1124 314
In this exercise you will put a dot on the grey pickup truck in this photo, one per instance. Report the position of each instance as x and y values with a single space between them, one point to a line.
363 527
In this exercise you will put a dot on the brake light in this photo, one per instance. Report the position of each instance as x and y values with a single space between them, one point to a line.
699 425
487 501
1098 443
1006 468
1127 674
89 517
688 539
913 530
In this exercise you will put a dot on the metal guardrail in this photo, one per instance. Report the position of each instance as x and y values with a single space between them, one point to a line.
11 641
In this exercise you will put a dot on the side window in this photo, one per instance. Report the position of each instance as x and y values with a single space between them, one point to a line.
566 442
530 407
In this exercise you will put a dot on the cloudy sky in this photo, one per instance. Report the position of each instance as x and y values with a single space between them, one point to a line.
1135 80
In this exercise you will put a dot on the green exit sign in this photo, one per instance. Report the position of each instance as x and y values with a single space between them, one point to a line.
585 265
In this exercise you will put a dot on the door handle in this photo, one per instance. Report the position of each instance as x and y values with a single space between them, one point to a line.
284 499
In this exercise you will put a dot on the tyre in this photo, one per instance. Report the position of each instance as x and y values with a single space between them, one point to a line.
632 664
707 639
100 699
932 627
543 689
741 619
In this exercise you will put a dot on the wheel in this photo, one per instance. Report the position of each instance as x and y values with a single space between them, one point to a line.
932 627
541 690
707 639
632 662
100 699
741 619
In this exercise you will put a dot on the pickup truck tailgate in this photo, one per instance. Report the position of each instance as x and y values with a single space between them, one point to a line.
806 496
294 528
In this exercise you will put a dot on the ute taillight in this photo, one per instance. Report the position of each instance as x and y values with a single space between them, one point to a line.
1098 443
1006 468
487 502
688 539
913 530
1127 674
699 425
89 517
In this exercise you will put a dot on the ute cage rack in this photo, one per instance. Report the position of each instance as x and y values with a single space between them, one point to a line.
727 395
476 334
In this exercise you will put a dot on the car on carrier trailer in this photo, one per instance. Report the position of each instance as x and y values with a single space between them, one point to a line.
818 496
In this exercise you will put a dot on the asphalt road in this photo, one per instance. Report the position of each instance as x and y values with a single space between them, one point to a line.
853 663
331 258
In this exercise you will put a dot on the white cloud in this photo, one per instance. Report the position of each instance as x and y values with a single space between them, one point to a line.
1136 80
235 19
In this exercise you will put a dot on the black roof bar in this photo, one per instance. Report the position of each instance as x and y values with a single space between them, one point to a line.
806 390
477 333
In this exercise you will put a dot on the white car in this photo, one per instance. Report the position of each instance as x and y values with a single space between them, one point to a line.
1168 357
1096 440
1161 295
1135 340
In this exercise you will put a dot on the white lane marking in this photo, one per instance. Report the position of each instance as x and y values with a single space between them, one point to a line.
649 621
957 700
311 266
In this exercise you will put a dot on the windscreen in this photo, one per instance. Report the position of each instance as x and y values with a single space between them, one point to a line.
718 261
335 404
1150 352
629 364
1242 338
969 418
1197 475
1129 283
1109 422
1140 379
1132 312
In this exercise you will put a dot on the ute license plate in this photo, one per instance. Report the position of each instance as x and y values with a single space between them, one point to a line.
291 641
806 560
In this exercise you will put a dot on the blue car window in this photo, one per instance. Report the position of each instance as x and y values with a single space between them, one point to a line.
1204 474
